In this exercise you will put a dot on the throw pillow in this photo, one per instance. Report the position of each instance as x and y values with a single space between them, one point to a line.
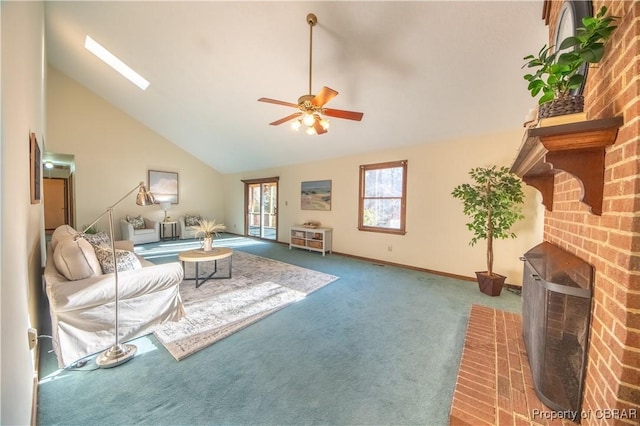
190 220
76 260
136 222
98 238
61 233
126 260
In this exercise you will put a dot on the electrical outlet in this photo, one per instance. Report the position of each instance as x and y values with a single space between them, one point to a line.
32 334
390 247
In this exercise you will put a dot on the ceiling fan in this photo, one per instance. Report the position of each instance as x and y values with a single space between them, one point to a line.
311 108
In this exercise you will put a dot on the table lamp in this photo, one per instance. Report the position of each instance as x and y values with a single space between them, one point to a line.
166 206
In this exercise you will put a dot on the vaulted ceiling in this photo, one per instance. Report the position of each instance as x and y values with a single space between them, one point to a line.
421 71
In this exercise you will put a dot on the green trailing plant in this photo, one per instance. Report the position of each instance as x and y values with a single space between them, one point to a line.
493 202
558 70
93 229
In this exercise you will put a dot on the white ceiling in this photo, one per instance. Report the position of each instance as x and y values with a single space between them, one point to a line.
421 71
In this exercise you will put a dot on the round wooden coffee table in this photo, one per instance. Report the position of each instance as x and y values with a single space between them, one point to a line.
199 255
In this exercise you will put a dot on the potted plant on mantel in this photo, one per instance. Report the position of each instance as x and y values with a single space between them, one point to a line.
559 72
493 202
207 229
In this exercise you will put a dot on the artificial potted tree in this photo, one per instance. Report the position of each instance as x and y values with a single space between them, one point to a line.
561 72
493 202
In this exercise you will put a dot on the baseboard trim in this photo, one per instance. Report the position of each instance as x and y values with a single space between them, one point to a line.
513 287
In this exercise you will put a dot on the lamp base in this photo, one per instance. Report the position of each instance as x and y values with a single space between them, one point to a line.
116 355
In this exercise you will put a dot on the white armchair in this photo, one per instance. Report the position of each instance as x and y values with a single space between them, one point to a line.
187 228
149 233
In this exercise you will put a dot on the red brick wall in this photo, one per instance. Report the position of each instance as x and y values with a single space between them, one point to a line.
610 242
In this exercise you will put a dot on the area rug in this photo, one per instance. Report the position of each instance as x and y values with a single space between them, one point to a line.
219 308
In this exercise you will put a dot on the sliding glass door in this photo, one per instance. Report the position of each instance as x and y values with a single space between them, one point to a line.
261 207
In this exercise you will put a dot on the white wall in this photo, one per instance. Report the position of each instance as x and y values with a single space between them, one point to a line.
21 224
113 152
437 238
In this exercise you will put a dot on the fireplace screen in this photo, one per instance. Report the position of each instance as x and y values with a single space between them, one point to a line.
556 310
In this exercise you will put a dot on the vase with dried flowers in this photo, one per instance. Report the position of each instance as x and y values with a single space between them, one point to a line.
207 229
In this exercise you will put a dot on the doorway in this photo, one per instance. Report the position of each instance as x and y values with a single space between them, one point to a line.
56 208
57 190
261 207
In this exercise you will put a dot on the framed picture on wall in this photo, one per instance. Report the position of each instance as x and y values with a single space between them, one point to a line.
35 168
164 186
316 195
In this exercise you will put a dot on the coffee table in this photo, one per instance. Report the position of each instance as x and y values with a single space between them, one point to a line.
199 255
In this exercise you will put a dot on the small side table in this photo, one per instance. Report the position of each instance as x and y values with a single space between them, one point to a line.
173 228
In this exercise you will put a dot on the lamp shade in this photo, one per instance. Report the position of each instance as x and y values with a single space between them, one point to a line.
165 205
144 197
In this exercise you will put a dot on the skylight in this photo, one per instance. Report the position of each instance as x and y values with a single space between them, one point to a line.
115 63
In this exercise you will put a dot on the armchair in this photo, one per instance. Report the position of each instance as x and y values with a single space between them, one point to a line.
140 230
187 225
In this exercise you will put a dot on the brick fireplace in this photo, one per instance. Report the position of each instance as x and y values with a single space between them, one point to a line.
610 241
603 231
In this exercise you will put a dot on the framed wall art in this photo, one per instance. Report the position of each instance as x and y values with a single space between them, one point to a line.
316 195
35 168
164 186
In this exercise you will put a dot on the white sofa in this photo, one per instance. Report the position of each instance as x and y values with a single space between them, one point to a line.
82 297
149 234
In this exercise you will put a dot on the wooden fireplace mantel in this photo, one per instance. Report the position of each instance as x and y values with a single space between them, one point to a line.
576 148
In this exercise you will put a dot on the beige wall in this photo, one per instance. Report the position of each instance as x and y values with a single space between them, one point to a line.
113 152
22 223
109 146
437 238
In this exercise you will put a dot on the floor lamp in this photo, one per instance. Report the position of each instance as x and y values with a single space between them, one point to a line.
119 353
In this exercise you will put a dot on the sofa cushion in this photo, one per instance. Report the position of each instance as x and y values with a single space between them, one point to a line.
98 238
126 260
137 222
76 260
192 220
61 233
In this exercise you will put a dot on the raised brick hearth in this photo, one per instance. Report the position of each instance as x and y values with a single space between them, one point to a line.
494 384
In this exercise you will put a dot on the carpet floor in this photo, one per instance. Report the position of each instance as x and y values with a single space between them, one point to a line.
379 346
257 288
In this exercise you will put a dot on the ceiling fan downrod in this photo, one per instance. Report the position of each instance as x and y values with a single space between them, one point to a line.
312 20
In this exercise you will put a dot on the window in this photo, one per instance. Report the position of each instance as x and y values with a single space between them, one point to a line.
383 197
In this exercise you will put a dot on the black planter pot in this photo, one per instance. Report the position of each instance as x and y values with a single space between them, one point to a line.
490 285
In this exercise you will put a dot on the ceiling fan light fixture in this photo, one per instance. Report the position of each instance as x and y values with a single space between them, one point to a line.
296 125
310 130
324 123
308 120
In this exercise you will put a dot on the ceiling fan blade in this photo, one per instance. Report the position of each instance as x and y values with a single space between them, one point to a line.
318 127
339 113
324 95
285 119
277 102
